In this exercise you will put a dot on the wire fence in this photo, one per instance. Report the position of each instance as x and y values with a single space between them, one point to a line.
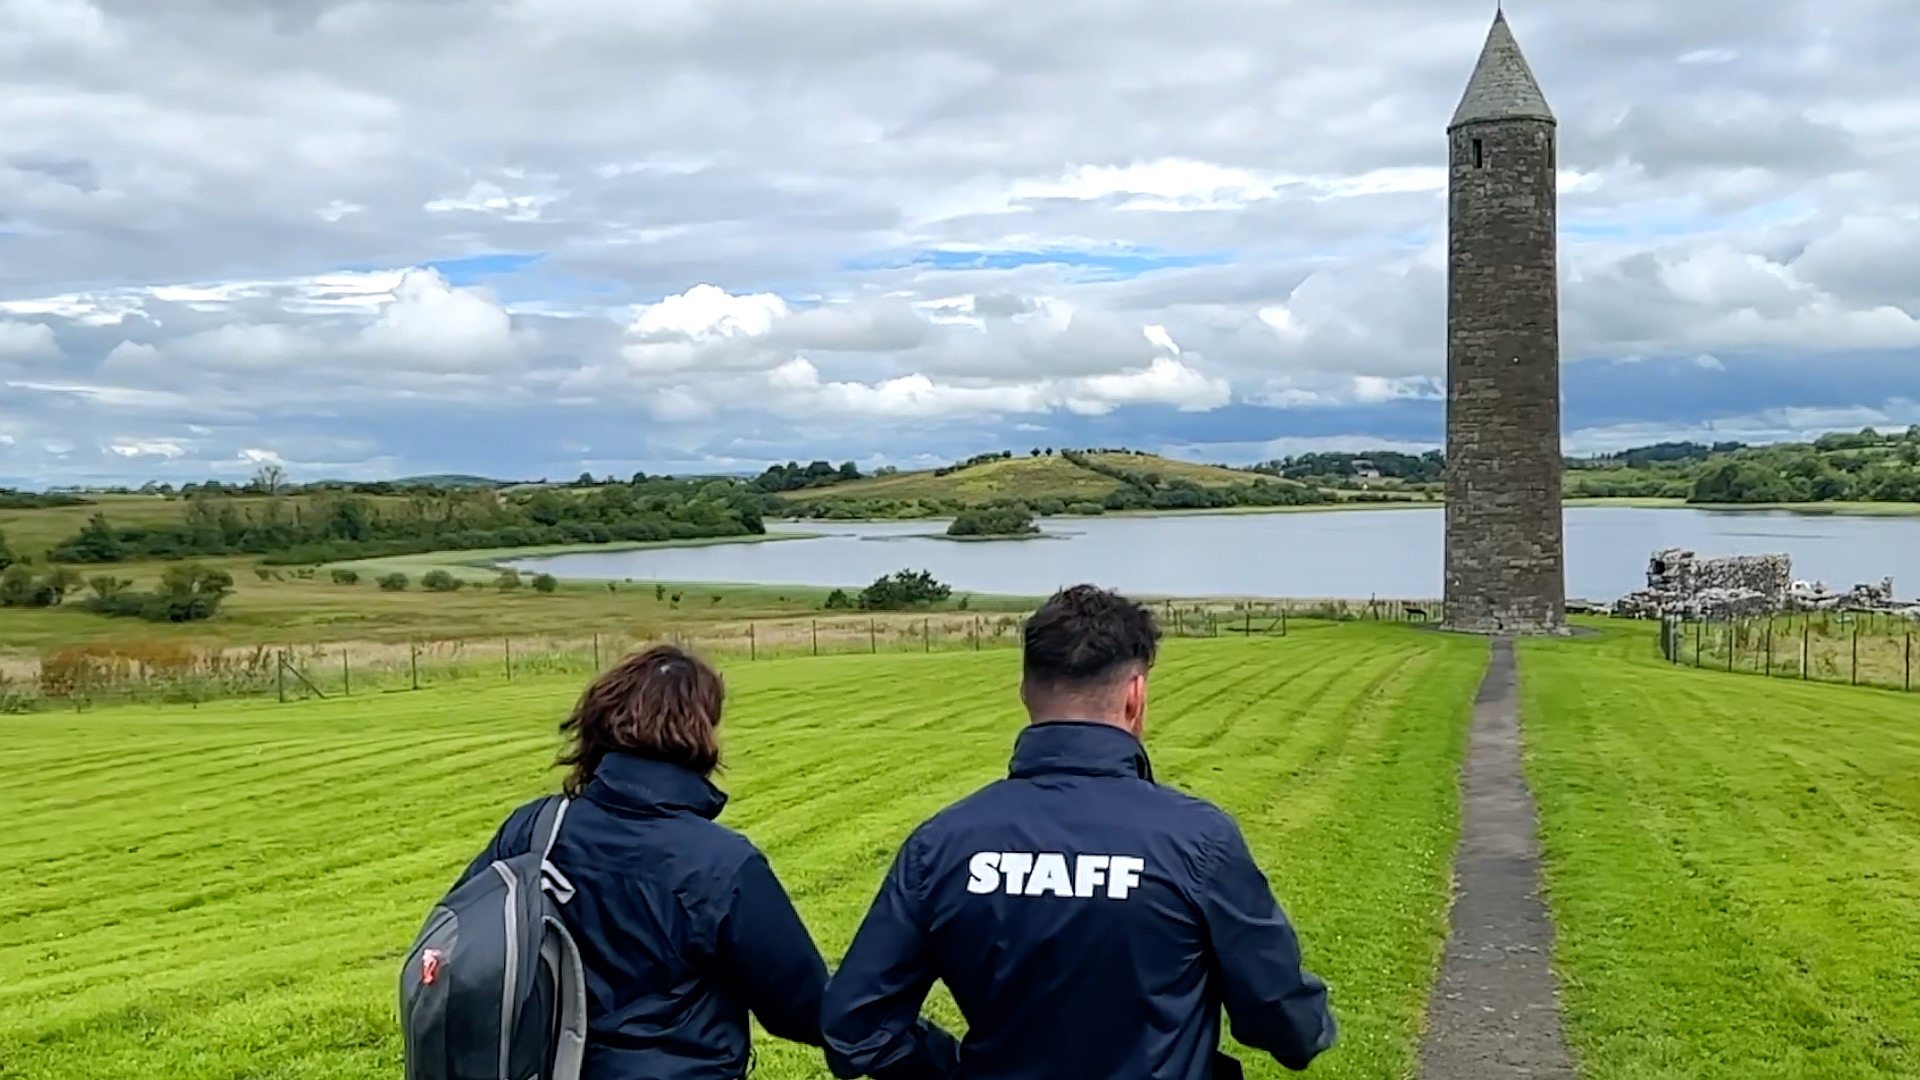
159 671
1858 648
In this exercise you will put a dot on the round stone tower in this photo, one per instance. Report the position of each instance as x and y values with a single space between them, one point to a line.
1505 551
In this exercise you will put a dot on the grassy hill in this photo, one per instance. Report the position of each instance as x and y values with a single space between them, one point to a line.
1069 479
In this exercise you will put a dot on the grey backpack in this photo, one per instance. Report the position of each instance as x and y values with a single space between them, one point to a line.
493 988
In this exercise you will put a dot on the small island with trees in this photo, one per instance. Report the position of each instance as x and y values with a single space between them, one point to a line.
1013 522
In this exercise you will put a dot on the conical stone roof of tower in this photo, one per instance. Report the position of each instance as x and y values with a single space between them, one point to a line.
1502 87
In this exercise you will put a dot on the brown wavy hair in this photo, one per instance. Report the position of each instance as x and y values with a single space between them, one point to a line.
663 703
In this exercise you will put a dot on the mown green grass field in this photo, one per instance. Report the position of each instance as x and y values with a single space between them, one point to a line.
226 891
1733 864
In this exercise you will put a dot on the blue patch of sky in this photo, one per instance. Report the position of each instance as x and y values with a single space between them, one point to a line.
1687 220
473 269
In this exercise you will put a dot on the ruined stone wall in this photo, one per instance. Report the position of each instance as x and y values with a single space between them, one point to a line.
1505 544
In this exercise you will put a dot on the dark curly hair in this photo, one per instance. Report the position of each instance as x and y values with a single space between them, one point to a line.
1085 636
663 703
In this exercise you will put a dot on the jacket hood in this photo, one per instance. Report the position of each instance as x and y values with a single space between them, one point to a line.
641 785
1079 748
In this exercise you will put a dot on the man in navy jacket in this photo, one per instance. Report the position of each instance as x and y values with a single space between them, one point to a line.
1089 923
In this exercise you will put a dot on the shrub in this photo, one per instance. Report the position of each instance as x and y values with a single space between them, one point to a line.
263 573
906 589
838 598
395 582
659 593
346 577
508 580
188 592
545 583
20 588
439 581
6 553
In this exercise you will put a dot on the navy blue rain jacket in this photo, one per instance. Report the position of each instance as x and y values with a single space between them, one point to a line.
682 927
1090 924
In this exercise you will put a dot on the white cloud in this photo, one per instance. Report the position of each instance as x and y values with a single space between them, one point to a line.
431 325
338 209
146 448
26 341
256 456
134 355
487 197
798 386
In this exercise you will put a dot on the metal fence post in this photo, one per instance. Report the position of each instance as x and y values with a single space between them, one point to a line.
1769 644
1733 640
1909 679
1856 651
1806 646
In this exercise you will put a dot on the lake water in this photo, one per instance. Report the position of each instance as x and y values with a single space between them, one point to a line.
1347 554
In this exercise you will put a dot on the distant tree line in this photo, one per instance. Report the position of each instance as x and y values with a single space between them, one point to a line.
1427 468
335 526
11 499
794 477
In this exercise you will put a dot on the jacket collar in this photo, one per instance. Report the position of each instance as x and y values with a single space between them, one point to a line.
1078 748
642 785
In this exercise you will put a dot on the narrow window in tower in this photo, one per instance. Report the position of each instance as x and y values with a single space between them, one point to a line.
1479 154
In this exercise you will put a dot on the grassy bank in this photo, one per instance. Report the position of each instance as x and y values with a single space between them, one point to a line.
211 905
1734 865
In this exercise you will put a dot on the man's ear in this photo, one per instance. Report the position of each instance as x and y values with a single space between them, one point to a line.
1136 704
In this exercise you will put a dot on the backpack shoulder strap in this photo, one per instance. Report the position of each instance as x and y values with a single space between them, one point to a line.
546 831
546 822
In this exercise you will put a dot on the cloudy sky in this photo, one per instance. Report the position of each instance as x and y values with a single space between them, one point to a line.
531 237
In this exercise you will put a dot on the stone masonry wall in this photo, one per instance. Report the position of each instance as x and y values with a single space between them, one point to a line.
1505 567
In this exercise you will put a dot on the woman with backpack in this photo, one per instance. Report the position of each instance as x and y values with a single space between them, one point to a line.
682 929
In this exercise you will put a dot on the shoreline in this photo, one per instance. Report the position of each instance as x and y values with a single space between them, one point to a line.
484 564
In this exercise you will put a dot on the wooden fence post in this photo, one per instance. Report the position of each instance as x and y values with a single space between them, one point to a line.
596 653
280 674
1733 640
1769 643
1283 620
508 643
813 625
346 675
1806 646
413 654
1856 651
926 634
1696 645
873 636
753 642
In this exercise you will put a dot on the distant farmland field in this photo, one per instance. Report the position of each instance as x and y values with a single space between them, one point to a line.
225 891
